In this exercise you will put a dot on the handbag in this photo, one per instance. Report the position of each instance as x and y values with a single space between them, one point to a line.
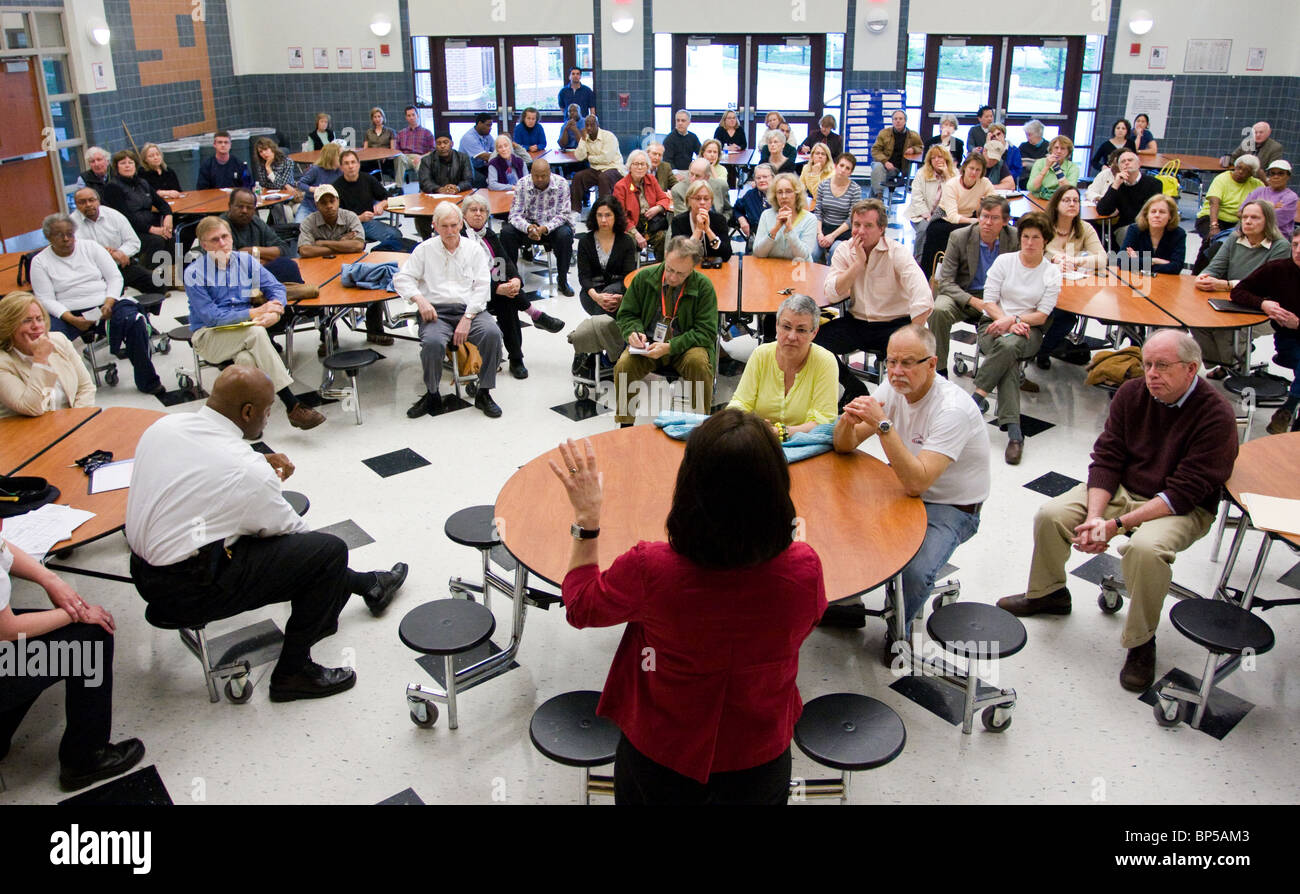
1168 178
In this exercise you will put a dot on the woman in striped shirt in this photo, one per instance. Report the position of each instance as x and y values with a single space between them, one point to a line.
835 196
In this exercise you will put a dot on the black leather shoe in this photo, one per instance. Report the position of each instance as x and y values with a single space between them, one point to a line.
1020 605
105 763
584 366
312 681
430 404
483 401
565 289
549 323
385 587
1042 361
1139 670
518 370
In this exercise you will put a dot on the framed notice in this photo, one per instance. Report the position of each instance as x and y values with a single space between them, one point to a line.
320 57
1207 56
295 57
1255 59
368 59
345 57
1159 57
99 75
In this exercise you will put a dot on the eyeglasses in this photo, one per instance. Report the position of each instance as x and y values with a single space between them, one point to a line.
800 331
907 364
1160 366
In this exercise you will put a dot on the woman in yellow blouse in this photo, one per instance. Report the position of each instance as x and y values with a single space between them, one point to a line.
818 168
711 151
39 370
791 382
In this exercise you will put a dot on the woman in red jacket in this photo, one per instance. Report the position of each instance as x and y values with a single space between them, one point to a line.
645 203
703 683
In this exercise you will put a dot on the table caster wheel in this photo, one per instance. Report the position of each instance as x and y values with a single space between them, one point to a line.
184 382
1109 601
470 390
164 345
111 376
423 714
1168 711
959 367
581 392
239 690
996 718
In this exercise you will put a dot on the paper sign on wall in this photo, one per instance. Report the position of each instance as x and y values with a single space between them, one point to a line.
1152 99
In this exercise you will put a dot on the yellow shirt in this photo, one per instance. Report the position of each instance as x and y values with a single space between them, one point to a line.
1230 194
811 398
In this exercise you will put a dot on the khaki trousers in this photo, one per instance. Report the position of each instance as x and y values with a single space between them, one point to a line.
692 366
1146 562
249 346
946 313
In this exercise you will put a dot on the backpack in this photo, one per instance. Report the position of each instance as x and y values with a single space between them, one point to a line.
25 268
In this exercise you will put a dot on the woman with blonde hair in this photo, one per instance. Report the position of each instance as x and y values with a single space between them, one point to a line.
927 185
326 170
155 172
323 133
819 168
787 229
729 132
40 370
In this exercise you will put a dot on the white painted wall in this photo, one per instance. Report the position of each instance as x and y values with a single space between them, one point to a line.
1050 18
77 16
876 52
750 16
622 52
1271 24
261 32
470 18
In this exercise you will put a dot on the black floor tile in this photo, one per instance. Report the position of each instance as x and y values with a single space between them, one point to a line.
257 644
432 664
1099 567
177 397
403 797
936 696
390 464
183 319
451 403
1291 578
1053 484
945 572
579 410
1223 713
313 399
1032 426
349 532
143 788
964 336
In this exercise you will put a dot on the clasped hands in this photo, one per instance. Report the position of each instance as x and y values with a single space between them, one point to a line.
864 409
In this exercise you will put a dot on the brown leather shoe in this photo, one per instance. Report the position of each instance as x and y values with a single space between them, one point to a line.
1015 450
299 291
379 338
1139 670
1020 605
1280 423
304 417
1029 386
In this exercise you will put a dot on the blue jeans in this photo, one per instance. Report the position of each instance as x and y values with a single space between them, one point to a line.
389 238
946 528
1288 355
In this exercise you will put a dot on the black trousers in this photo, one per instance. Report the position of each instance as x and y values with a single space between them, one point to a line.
639 781
88 708
309 571
847 334
506 311
936 240
559 240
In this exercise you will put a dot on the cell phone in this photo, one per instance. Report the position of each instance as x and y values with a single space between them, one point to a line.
711 264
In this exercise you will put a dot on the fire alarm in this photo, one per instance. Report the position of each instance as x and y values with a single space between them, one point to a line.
383 49
1135 49
624 99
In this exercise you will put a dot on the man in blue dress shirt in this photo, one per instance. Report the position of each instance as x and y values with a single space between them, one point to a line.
576 92
478 144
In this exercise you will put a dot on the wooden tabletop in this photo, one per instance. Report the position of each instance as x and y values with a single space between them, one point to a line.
9 281
1268 466
725 279
1186 162
318 271
854 512
1179 297
422 204
1025 203
763 279
215 201
313 156
334 294
117 429
1111 303
22 438
9 259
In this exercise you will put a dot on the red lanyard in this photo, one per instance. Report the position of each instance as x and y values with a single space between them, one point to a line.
663 305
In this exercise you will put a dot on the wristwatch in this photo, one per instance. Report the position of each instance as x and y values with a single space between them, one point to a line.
581 533
1120 527
884 426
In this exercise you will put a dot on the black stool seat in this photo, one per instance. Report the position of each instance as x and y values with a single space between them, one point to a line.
350 361
567 730
473 527
446 627
850 732
1221 627
976 630
298 502
181 333
150 303
151 615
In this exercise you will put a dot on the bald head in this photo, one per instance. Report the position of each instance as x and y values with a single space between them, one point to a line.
1263 130
699 169
541 172
243 394
592 126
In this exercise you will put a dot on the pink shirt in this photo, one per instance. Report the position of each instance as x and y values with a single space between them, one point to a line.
892 285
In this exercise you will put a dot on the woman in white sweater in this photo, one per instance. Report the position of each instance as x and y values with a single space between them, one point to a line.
960 201
39 370
927 185
1020 291
787 229
1074 246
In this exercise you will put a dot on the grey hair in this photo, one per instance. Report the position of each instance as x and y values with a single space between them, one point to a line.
445 209
1250 161
771 170
920 333
95 151
637 154
650 145
801 306
1184 345
775 130
50 222
948 119
695 165
473 199
1035 125
1271 231
685 246
682 112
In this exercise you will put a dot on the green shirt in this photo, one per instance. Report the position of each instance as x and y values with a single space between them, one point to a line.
697 314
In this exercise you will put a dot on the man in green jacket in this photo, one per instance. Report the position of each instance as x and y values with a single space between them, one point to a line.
669 318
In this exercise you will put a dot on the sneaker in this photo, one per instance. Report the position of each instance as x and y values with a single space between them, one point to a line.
1029 386
980 401
304 417
549 323
1280 424
1043 361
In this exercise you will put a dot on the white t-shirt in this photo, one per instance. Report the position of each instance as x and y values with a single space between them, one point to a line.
945 421
1018 289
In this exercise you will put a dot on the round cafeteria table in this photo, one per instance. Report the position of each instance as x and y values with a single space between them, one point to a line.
1269 466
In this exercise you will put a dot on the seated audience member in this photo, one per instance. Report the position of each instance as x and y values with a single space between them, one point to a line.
660 169
959 282
71 628
887 152
252 548
701 224
96 174
681 145
773 120
40 370
938 448
884 286
1119 139
1157 469
1054 169
1274 289
325 172
361 194
113 231
825 133
577 93
379 135
272 169
1033 148
414 142
1105 179
1260 144
1255 242
1275 191
147 212
790 382
249 233
444 171
540 215
505 169
645 205
332 229
787 229
529 132
599 149
80 287
927 186
751 205
154 170
959 200
836 197
478 144
777 152
322 133
1130 192
571 130
1222 205
223 170
1143 140
817 168
698 171
606 255
220 286
730 134
980 132
711 151
1001 154
714 725
945 138
507 297
684 338
1156 235
1073 246
1020 291
449 280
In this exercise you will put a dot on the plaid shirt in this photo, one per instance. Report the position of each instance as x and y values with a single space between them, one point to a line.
549 209
415 141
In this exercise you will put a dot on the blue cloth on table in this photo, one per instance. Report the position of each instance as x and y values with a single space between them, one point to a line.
801 445
378 277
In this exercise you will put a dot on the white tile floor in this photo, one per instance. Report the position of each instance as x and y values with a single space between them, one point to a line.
1077 736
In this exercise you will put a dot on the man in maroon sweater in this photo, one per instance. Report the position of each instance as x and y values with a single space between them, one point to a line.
1274 288
1168 446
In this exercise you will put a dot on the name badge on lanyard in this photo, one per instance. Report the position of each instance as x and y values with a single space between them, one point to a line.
661 331
661 328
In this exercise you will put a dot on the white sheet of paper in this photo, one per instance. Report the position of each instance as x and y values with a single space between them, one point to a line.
1273 513
36 531
632 350
114 476
91 314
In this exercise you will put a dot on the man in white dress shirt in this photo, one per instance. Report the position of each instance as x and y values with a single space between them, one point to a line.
449 280
211 535
110 228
